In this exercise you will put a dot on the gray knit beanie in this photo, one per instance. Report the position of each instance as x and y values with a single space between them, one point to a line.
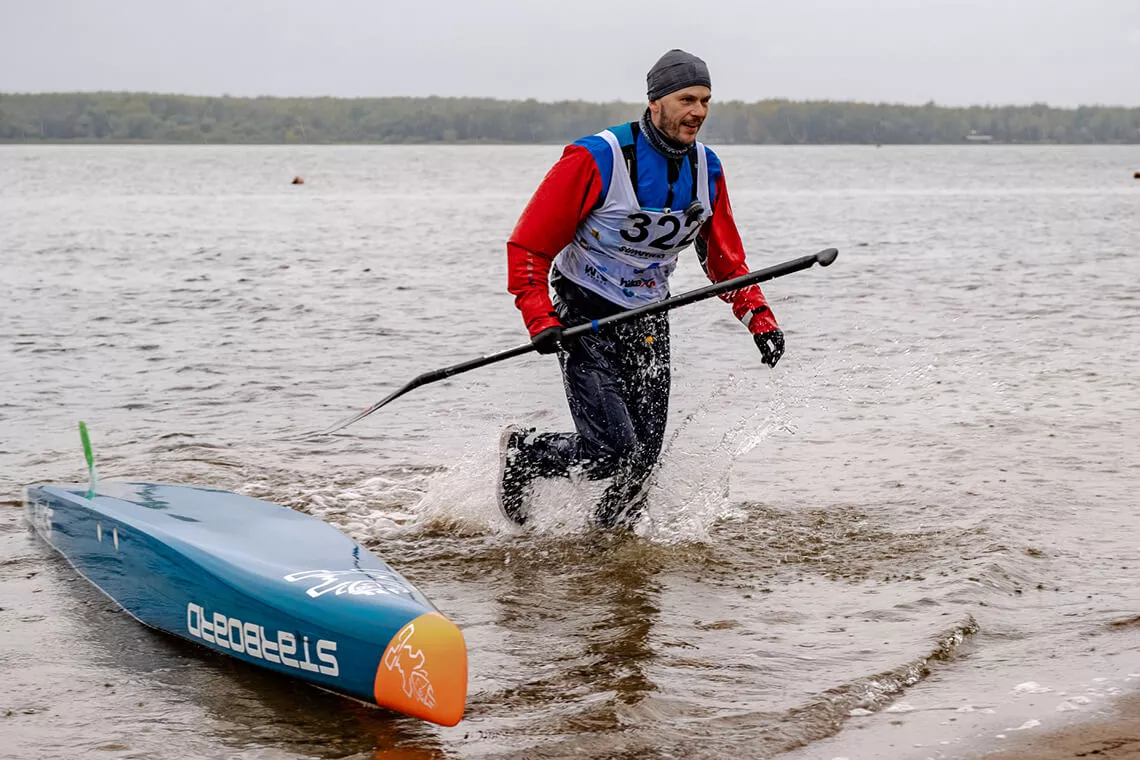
674 71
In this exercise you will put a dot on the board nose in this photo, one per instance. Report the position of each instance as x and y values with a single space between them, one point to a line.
424 671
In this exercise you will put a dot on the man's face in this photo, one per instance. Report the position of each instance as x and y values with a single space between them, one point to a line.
679 115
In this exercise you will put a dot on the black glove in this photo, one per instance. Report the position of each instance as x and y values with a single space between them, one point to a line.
548 341
771 345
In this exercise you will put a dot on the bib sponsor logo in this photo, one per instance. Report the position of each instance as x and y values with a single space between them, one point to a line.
250 638
351 582
593 273
402 656
638 253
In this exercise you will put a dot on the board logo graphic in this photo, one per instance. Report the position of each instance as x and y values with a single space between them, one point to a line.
411 664
352 582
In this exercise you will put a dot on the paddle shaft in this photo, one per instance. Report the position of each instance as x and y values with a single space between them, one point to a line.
823 258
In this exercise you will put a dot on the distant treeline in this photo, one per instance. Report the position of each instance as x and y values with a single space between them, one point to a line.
154 118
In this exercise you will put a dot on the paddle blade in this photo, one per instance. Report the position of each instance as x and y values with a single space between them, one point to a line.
86 439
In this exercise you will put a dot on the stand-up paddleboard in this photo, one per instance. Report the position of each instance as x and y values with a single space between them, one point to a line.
262 583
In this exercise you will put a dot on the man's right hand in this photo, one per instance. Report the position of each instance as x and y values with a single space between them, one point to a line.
548 341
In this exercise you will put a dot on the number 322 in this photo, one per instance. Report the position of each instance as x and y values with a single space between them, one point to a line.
664 242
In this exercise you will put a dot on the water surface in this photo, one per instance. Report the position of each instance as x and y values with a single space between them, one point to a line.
916 536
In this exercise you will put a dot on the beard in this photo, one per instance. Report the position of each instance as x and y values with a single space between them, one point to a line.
672 125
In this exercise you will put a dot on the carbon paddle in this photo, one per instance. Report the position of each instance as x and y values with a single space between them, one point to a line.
823 258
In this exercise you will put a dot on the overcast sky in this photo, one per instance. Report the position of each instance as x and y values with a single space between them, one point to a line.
1063 52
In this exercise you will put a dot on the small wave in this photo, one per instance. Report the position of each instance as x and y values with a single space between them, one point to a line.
825 716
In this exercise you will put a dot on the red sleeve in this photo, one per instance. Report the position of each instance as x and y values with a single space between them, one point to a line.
726 260
566 196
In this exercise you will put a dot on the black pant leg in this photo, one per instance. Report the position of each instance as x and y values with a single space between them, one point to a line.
605 434
646 376
593 368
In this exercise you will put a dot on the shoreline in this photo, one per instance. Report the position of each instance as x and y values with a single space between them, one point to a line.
1114 735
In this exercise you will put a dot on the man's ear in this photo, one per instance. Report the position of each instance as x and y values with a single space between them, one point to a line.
654 107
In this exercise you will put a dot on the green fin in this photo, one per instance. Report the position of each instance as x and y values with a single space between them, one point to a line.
91 479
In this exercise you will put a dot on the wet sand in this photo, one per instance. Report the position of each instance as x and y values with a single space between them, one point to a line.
1116 736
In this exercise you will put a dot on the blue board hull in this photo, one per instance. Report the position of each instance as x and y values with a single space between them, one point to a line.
262 583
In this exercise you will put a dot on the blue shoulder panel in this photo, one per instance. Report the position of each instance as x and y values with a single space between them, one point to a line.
653 177
603 158
716 171
624 133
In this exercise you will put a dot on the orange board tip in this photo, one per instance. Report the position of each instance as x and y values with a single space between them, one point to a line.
424 671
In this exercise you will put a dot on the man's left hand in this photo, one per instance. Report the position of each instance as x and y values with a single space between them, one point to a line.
771 345
548 341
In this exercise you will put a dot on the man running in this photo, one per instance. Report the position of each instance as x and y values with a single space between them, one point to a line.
603 231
